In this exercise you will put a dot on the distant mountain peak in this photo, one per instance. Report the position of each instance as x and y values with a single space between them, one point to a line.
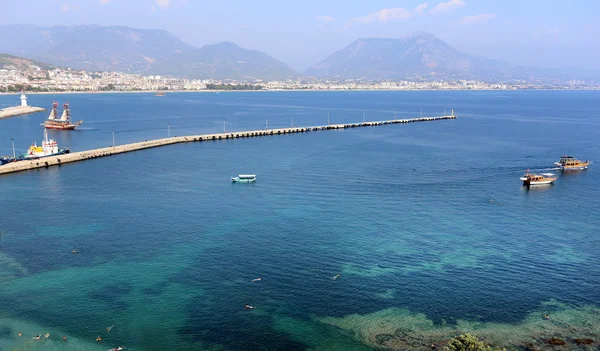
420 56
125 49
421 34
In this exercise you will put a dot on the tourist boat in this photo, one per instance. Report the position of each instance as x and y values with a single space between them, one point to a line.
49 148
570 163
244 178
160 93
537 179
62 123
6 159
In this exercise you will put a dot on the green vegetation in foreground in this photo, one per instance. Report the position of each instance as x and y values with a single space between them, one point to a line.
233 87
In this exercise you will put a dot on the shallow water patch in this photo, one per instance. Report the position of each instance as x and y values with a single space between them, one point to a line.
401 329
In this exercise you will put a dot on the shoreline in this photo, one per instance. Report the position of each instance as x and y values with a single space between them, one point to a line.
276 90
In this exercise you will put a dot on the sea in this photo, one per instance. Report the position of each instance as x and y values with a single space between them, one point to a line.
393 237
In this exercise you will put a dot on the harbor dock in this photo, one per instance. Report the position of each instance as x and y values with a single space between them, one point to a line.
18 111
20 166
22 109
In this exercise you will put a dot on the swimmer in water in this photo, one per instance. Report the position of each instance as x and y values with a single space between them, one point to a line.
546 317
256 280
37 337
335 277
20 334
47 335
98 339
109 328
65 338
248 307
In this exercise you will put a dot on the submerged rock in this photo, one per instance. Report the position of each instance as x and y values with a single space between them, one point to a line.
556 341
531 347
583 341
383 338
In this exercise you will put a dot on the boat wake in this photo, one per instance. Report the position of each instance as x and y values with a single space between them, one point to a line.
546 169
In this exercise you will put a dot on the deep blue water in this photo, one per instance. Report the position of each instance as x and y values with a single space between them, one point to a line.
168 246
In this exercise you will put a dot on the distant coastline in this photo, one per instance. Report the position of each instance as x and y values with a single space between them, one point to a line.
279 90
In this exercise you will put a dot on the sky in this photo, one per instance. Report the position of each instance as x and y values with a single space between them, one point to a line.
539 33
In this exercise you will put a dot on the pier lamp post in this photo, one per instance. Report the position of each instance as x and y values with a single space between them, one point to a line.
292 121
113 133
169 129
394 113
327 118
266 123
224 125
13 145
363 117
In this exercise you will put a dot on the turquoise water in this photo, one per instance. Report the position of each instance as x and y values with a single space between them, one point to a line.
427 224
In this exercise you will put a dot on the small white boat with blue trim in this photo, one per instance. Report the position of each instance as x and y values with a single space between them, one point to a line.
244 178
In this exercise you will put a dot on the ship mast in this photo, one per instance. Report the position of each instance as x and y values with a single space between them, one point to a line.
66 115
52 116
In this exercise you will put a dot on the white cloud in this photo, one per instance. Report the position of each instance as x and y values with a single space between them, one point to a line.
447 6
385 15
483 17
104 2
421 8
162 3
325 19
152 8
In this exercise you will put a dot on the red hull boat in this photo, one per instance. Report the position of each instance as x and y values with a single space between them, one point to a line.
62 123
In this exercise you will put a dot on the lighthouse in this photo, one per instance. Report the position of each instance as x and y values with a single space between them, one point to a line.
23 100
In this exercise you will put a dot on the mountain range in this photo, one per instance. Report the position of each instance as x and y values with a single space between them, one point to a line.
421 56
146 51
19 63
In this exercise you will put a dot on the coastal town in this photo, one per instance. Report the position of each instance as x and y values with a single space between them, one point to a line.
33 78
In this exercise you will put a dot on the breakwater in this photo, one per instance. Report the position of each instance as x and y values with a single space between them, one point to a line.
19 110
119 149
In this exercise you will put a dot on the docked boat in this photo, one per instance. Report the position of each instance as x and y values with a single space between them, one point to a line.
537 179
6 159
160 93
244 178
570 163
49 148
62 123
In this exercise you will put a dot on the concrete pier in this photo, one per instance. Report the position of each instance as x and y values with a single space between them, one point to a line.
18 111
119 149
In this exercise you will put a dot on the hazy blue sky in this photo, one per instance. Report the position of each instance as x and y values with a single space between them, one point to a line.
301 33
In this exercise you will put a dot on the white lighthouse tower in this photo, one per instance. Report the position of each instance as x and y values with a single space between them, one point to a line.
23 99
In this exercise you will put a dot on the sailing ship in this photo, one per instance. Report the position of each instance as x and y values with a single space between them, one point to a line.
49 148
62 123
570 163
537 179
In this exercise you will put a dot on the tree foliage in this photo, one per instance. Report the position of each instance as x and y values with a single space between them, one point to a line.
233 87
